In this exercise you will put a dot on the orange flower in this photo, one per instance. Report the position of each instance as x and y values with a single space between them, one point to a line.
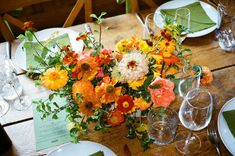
86 69
106 90
83 36
54 78
141 103
88 104
167 47
164 95
171 60
104 56
65 48
125 104
27 25
115 118
207 76
84 88
70 58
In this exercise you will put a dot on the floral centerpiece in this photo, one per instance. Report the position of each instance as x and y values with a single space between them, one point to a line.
109 87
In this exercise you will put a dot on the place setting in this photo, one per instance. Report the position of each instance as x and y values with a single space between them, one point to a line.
149 93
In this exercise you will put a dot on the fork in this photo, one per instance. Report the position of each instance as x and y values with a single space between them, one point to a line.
213 137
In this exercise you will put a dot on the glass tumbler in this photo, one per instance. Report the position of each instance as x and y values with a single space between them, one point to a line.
162 123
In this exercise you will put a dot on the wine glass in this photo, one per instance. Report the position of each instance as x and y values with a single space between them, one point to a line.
194 114
182 18
191 79
150 27
11 89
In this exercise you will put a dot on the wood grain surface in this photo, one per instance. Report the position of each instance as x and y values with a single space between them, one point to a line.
205 51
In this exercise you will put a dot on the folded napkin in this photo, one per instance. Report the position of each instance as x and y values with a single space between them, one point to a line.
199 20
230 119
34 47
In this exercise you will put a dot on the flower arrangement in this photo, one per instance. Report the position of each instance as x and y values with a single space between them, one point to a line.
109 87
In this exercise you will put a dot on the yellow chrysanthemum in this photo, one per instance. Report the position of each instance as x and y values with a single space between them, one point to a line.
54 78
135 84
144 47
167 47
141 103
126 45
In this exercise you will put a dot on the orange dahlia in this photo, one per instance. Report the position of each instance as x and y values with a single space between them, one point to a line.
106 90
125 104
54 78
84 88
115 118
86 68
167 47
141 103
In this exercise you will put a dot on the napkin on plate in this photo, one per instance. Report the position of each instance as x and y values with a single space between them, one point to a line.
229 116
35 47
199 20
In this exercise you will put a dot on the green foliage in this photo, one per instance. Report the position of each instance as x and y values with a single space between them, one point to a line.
99 19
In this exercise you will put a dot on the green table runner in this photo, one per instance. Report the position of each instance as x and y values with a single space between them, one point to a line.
35 47
199 20
230 119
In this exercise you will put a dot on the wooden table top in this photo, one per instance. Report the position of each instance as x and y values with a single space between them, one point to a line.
205 51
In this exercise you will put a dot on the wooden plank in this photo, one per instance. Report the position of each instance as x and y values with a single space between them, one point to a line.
150 3
6 32
134 6
88 10
116 138
12 4
73 14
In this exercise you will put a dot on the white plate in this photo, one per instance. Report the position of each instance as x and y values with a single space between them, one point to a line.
83 148
20 56
210 11
224 132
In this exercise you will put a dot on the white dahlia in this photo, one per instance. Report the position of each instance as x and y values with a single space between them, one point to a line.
133 66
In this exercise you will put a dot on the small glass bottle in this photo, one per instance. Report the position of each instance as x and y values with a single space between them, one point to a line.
5 141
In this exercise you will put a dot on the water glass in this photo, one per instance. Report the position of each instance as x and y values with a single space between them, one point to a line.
190 79
162 123
182 18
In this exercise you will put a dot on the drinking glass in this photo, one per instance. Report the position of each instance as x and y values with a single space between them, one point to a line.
191 79
194 114
150 27
11 89
182 18
162 123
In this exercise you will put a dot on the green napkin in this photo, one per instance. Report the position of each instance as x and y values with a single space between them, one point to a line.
230 119
199 20
34 47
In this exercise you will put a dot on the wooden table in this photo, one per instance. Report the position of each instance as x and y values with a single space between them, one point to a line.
205 51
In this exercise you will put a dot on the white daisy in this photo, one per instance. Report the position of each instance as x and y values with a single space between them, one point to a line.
133 66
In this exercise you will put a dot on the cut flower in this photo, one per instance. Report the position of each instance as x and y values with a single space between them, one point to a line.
125 104
115 118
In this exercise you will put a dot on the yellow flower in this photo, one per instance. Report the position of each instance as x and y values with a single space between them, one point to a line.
144 47
167 47
141 103
135 84
54 78
126 45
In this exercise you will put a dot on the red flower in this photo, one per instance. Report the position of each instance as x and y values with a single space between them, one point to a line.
125 104
115 118
83 36
27 25
65 48
70 58
164 95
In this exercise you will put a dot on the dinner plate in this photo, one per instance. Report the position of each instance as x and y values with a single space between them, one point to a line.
224 132
20 56
83 148
210 11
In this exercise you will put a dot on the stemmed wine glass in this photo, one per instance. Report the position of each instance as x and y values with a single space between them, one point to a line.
182 18
194 114
150 27
190 79
11 88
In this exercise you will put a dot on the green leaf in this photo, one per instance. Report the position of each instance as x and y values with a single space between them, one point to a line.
39 59
54 116
44 52
55 104
94 16
51 96
26 45
29 35
102 14
156 86
21 37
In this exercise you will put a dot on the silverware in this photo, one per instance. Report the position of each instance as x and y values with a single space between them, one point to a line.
213 137
8 51
126 150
